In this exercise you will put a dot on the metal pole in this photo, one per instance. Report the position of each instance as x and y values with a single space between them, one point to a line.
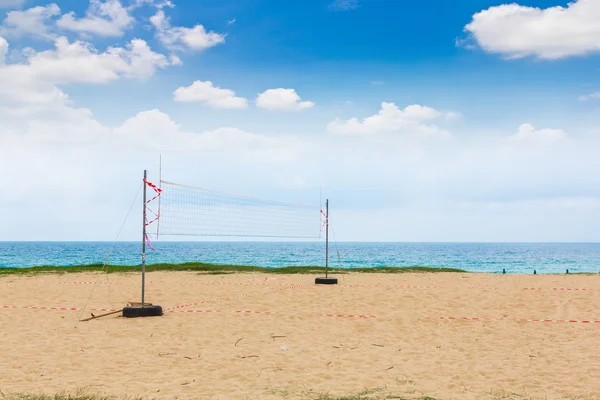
144 241
326 237
160 187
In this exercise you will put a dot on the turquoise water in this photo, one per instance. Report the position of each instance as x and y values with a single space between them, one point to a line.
476 257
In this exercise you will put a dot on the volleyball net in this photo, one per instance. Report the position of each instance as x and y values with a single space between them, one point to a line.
193 211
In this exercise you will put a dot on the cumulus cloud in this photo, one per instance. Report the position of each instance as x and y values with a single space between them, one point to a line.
32 21
528 133
282 99
69 173
516 31
343 5
157 131
79 61
489 188
180 38
34 85
154 3
208 94
410 120
593 96
3 50
43 149
103 18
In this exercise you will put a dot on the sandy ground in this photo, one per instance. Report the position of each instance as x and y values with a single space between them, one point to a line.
390 332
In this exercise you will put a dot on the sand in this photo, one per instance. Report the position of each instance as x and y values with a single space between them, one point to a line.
269 337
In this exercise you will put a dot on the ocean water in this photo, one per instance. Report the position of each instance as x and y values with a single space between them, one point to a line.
476 257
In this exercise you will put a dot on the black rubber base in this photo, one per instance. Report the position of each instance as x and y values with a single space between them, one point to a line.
148 311
326 281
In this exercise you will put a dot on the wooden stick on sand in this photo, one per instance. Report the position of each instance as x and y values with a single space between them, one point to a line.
101 315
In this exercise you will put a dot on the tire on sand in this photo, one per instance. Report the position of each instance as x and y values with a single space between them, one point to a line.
136 312
326 281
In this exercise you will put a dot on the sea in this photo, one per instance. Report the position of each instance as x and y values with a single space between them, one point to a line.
514 258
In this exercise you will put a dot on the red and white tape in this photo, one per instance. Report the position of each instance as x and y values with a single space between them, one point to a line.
205 301
396 286
559 289
574 321
344 315
309 314
45 308
248 312
360 316
261 283
59 308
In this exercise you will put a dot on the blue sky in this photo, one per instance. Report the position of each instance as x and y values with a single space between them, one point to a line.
336 55
490 134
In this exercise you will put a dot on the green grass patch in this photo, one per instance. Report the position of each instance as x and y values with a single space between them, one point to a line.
368 394
216 269
369 397
79 395
82 395
378 393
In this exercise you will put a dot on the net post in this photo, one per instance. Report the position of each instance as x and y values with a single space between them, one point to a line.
144 240
326 238
160 187
327 280
133 310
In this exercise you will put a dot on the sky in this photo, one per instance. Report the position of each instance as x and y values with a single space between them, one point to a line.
420 120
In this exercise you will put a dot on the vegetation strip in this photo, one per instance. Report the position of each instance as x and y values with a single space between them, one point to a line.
372 394
215 268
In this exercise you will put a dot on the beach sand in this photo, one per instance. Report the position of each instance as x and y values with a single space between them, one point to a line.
269 336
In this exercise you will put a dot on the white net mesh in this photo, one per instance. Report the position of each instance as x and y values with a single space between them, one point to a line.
192 211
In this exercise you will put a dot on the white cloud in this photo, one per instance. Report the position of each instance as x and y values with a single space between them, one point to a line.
3 50
75 160
103 18
593 96
517 31
179 37
30 22
154 3
377 83
207 93
81 62
282 99
231 22
470 189
410 120
11 3
33 87
68 170
343 5
528 133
